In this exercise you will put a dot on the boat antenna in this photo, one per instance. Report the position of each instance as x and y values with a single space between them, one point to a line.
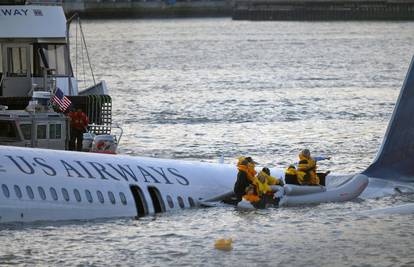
83 42
86 49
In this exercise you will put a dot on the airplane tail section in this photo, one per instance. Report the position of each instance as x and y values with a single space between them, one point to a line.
395 159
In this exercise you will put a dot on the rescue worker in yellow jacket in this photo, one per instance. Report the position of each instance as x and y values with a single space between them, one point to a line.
265 177
291 175
270 183
306 171
245 177
261 192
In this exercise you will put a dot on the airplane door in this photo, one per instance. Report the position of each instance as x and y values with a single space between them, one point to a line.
16 70
139 199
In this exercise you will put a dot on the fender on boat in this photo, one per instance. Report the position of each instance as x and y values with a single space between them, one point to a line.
348 190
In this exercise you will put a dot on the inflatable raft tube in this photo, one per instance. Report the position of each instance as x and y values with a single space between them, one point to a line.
346 191
292 190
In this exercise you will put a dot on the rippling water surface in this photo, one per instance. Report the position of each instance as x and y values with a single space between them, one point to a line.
196 89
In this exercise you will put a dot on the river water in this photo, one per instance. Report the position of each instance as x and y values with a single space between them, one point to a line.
196 89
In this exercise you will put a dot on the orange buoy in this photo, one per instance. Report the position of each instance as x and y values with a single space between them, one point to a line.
224 244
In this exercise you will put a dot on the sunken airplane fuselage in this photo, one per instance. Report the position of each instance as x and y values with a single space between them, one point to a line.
40 184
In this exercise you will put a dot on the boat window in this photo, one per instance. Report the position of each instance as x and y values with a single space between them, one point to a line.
17 61
55 131
65 194
53 193
26 131
29 192
41 131
180 202
123 198
77 195
6 191
170 202
55 57
111 197
88 196
41 192
100 196
18 191
8 130
191 201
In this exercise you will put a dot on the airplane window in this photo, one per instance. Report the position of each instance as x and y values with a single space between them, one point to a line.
30 192
65 194
18 191
100 196
77 195
6 191
170 202
89 196
123 198
111 197
41 192
191 201
180 202
53 193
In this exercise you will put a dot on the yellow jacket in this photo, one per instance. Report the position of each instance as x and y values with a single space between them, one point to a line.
262 188
249 170
251 175
264 181
306 171
291 170
268 179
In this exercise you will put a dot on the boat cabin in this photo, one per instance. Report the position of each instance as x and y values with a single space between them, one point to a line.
43 129
33 41
34 65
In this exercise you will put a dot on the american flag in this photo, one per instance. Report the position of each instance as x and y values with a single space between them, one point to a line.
61 100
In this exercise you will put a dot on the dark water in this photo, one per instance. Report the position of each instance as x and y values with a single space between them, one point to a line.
196 89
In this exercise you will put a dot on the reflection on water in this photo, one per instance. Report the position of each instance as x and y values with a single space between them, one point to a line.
198 88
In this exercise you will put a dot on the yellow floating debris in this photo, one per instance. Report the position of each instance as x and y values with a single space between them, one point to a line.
224 244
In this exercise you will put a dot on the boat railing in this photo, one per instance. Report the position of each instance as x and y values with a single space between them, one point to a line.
98 108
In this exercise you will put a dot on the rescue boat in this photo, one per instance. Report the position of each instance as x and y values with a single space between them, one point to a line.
297 195
38 85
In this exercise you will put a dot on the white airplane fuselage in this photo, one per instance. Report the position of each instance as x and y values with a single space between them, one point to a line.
41 184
